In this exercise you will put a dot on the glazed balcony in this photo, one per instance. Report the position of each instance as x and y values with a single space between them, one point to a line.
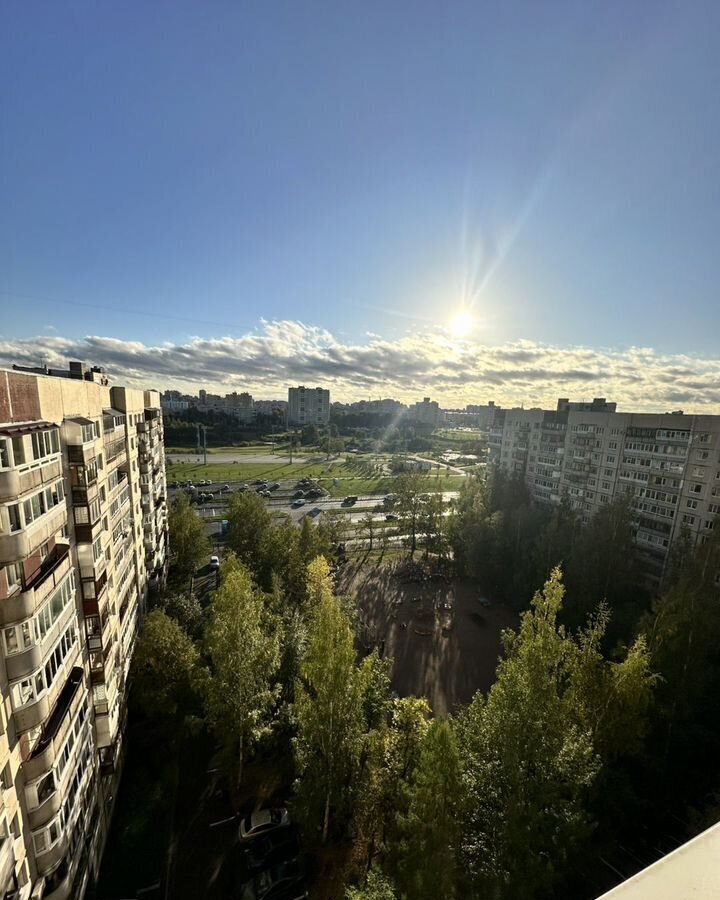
37 587
23 663
33 714
7 866
16 482
20 544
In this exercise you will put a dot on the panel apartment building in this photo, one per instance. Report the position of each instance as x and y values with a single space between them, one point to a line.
308 406
83 536
669 464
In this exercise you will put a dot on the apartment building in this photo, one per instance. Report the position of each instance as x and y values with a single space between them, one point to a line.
667 463
83 537
308 406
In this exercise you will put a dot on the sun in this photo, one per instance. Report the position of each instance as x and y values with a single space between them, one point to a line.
461 324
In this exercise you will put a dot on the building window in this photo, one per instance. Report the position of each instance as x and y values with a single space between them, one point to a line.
691 504
4 454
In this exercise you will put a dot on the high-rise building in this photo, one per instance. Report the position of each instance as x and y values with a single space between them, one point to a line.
308 406
668 464
427 412
83 537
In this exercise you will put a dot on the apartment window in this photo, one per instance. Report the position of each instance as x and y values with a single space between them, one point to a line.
691 504
4 454
704 438
14 517
610 458
45 443
698 471
688 520
613 445
702 454
713 507
709 524
6 777
696 488
13 574
18 446
97 550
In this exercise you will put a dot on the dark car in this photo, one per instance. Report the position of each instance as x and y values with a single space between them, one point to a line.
272 848
298 494
275 883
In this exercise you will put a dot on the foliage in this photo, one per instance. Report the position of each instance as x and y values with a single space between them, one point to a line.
189 545
163 666
377 887
429 831
328 708
532 750
243 645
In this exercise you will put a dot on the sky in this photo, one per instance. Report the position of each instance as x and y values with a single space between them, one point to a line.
473 200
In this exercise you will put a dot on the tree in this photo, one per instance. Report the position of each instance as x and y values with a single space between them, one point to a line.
188 542
368 527
390 754
328 707
434 526
243 644
427 852
532 750
310 435
250 534
377 887
527 763
163 666
409 505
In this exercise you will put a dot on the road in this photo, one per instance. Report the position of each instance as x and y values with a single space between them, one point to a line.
282 500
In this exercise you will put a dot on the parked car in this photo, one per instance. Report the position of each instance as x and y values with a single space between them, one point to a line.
244 487
391 517
275 882
209 497
314 494
263 821
275 485
224 489
272 848
298 494
214 563
298 503
348 501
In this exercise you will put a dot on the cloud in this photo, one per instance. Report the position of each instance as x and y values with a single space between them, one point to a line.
277 354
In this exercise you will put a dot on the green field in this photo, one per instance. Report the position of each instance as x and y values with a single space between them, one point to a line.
353 478
448 434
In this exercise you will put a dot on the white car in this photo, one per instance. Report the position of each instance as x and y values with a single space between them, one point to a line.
263 821
214 563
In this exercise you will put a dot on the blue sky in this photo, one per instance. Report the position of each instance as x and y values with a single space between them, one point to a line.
176 173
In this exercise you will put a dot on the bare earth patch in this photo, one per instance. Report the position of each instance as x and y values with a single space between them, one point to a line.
444 643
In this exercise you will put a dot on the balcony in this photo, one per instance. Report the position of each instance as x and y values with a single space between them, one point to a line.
20 664
21 544
36 589
15 482
34 714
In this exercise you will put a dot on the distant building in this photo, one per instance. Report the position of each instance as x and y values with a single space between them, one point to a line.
427 412
271 407
308 406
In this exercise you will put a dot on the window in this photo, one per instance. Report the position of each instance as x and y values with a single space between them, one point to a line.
18 446
691 504
4 454
45 443
13 574
696 488
688 520
97 550
14 516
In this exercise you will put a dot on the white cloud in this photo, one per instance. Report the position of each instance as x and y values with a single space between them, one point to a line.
277 354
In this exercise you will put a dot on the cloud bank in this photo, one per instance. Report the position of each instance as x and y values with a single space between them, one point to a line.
453 372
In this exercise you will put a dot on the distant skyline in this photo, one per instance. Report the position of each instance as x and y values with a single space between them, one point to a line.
469 200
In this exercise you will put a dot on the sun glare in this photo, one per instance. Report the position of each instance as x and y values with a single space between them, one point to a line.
461 324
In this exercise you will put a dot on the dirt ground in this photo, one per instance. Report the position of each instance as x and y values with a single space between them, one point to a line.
444 643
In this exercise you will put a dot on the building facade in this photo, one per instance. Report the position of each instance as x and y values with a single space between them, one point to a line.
83 537
668 464
308 406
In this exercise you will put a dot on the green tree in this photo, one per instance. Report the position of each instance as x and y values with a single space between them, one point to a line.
188 543
557 712
163 667
328 708
435 528
527 762
249 531
368 526
243 644
429 831
377 887
409 505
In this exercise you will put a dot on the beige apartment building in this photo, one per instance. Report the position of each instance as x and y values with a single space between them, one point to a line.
83 537
668 463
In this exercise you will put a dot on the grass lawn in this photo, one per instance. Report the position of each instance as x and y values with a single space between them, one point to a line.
239 451
447 434
355 477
